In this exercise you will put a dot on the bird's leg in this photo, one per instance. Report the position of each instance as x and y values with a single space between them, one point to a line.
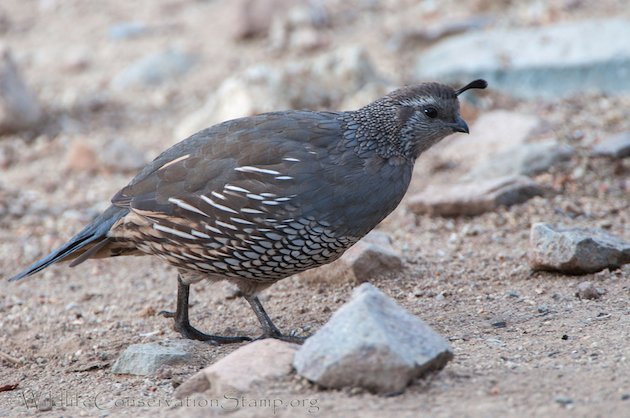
269 329
182 323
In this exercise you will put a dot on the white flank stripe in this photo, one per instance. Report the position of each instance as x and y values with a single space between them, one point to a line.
270 202
284 178
186 206
282 199
199 234
250 169
173 231
218 195
183 157
213 229
254 196
291 159
241 221
248 210
235 188
268 195
216 205
226 225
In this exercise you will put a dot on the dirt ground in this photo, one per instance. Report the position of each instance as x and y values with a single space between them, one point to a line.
524 344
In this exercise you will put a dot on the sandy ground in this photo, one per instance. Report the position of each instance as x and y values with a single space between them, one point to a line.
524 344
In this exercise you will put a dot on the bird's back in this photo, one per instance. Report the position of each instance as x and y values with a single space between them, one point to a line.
260 198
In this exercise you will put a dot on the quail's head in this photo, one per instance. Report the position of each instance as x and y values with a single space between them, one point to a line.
424 114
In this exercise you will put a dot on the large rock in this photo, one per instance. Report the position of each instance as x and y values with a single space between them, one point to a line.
146 359
372 257
154 69
494 132
614 146
19 109
371 342
525 159
475 198
575 250
310 84
550 61
240 371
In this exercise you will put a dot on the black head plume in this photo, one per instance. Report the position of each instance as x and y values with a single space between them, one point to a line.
476 84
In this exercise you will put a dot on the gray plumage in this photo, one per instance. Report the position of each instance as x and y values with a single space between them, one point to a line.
256 199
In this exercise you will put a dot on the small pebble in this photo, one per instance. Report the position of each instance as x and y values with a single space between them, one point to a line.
586 290
499 324
564 400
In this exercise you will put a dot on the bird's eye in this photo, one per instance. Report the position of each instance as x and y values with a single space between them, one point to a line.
431 112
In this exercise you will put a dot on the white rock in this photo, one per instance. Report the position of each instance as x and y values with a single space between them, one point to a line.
525 159
310 84
494 132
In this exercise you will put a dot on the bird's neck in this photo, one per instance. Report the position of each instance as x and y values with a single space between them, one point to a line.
373 128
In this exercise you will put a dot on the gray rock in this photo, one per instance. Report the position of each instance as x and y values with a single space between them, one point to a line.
120 155
154 69
371 342
587 290
615 146
525 159
243 369
19 109
575 250
549 61
146 359
474 198
308 84
127 30
372 257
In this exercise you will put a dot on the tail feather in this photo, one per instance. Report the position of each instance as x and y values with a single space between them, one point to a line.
93 234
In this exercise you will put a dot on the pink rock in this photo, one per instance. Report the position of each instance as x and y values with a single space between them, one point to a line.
241 370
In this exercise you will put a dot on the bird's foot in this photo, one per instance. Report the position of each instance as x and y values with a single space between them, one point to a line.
192 333
167 314
290 338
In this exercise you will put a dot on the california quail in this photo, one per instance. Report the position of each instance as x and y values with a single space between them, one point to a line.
257 199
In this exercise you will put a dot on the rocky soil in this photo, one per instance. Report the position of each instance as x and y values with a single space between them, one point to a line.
97 89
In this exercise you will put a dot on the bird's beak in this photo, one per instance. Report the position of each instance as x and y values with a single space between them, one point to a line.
460 126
